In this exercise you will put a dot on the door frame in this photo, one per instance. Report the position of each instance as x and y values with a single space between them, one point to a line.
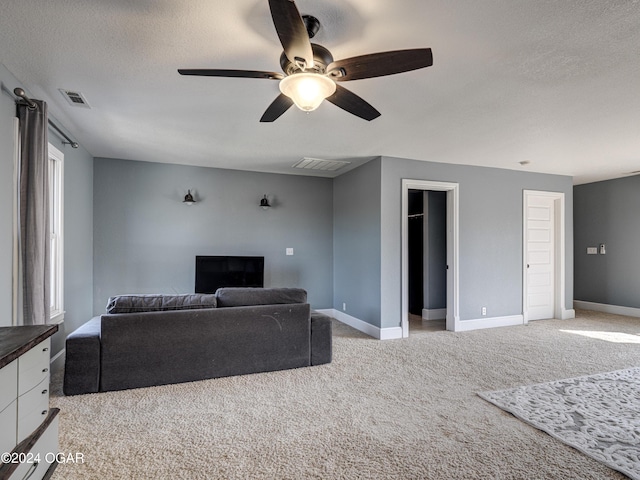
453 245
559 310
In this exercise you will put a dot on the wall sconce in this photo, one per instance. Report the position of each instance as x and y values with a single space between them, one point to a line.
264 203
188 198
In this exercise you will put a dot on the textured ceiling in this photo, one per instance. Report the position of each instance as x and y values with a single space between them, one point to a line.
555 83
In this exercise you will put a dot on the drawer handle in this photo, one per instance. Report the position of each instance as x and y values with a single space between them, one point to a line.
45 370
44 412
44 391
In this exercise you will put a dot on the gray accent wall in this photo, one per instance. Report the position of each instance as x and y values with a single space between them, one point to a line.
146 239
608 212
490 228
7 114
78 221
356 242
78 238
367 236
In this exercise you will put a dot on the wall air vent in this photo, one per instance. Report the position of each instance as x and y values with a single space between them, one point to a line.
318 164
75 99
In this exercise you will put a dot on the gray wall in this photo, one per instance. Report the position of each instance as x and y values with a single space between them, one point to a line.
146 239
78 238
356 242
608 212
490 234
78 221
7 114
367 236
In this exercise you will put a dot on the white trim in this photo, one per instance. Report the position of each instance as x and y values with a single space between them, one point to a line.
490 322
568 313
434 314
453 246
389 333
559 310
57 316
606 308
15 300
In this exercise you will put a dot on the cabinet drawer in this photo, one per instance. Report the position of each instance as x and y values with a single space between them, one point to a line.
45 449
33 407
9 422
33 366
9 382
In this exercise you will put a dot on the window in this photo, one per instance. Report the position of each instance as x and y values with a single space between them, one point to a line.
56 198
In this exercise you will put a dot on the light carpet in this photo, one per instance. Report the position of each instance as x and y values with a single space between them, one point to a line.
596 414
395 409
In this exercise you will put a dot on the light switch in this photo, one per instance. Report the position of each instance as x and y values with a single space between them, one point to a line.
592 250
289 251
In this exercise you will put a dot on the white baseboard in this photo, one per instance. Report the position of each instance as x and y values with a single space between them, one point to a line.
605 308
434 314
389 333
57 356
567 314
491 322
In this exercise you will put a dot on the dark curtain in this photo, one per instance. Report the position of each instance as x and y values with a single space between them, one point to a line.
34 212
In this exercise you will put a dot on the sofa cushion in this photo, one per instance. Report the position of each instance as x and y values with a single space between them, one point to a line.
156 303
240 296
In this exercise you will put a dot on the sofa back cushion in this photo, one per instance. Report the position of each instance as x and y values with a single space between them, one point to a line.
239 296
157 303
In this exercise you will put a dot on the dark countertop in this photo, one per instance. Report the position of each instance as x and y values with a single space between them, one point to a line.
15 341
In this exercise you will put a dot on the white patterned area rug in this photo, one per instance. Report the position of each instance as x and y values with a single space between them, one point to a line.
596 414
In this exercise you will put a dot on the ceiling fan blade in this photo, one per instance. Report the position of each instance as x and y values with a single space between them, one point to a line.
292 32
352 103
231 73
380 64
280 105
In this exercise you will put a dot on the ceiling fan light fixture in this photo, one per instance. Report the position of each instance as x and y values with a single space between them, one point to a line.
307 90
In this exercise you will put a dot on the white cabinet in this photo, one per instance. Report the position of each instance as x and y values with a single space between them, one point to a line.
8 406
8 419
33 407
28 427
33 366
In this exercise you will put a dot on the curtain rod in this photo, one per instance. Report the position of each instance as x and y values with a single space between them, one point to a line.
32 105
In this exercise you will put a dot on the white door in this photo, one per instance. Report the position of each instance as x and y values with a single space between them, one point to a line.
540 257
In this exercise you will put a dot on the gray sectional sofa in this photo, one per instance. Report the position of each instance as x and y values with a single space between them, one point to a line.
147 340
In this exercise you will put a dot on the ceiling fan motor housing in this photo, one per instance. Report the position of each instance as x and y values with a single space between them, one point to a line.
321 59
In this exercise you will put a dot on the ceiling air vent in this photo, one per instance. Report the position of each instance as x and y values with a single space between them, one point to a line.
75 99
319 164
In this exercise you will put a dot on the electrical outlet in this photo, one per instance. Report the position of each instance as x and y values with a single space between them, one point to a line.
484 311
289 251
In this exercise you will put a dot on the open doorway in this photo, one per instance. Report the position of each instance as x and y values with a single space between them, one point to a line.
451 192
427 268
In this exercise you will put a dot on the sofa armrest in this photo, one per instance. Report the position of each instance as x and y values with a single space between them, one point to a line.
82 359
321 340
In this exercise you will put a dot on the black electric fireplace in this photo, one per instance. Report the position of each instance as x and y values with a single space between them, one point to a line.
213 272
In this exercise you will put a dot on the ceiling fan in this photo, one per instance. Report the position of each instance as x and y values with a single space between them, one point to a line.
311 74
